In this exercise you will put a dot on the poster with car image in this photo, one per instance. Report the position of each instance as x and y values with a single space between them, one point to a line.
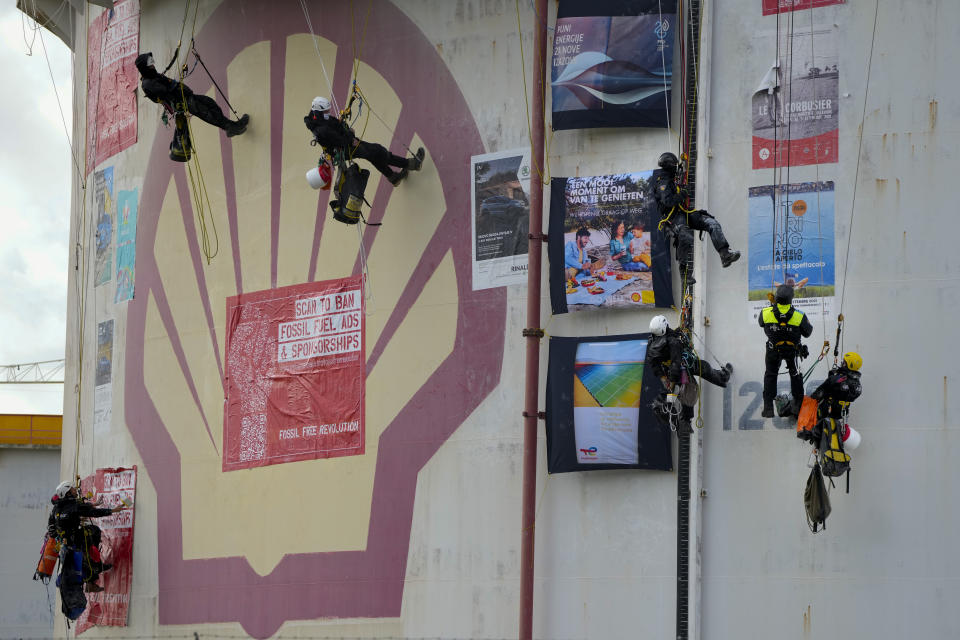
500 208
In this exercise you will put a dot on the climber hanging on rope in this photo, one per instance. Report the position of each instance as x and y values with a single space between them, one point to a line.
339 141
671 357
670 196
177 98
783 326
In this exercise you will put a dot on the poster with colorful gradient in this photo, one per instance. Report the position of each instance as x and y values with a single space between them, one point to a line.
126 244
599 412
113 39
294 374
613 63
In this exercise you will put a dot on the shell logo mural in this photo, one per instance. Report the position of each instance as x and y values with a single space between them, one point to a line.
315 538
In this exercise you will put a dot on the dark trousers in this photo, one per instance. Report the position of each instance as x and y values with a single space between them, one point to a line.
773 360
207 109
703 369
683 226
380 157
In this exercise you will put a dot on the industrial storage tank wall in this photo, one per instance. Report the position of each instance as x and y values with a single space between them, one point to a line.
886 565
420 535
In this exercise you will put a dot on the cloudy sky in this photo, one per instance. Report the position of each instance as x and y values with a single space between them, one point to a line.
35 172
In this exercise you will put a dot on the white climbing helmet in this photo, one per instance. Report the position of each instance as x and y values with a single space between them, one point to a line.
320 104
658 325
63 489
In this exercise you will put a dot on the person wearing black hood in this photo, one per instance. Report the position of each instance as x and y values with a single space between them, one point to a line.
334 136
170 93
669 197
784 326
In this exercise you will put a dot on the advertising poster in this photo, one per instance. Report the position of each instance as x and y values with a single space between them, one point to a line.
110 488
795 108
792 242
613 63
604 247
599 414
501 218
126 244
103 377
771 7
295 374
104 207
113 39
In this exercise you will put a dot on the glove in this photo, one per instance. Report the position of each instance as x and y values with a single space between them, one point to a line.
803 351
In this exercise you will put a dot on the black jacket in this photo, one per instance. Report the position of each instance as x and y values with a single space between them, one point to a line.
665 354
163 90
665 191
780 330
841 385
64 521
329 132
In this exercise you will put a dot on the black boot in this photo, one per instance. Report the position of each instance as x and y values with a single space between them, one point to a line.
398 177
767 409
414 163
728 257
725 373
686 274
238 127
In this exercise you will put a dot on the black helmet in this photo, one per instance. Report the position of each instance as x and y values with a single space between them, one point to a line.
668 161
784 294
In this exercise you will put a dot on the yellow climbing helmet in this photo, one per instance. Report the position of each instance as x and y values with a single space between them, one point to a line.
852 360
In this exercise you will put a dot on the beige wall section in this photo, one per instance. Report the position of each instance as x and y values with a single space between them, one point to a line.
298 205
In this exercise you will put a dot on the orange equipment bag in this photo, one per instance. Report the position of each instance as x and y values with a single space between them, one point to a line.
807 418
48 559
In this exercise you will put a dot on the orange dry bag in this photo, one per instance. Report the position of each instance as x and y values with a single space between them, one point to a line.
48 559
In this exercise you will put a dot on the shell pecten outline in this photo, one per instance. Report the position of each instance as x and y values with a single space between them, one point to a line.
427 368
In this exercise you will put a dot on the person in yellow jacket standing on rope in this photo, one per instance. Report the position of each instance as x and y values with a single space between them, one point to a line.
784 326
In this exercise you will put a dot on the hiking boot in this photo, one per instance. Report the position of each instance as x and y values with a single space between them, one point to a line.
728 257
414 163
767 410
398 177
93 587
725 374
239 126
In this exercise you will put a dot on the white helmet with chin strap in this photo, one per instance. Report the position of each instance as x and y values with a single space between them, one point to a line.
320 104
658 325
63 489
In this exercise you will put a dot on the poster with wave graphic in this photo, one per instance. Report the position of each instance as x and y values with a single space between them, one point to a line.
613 63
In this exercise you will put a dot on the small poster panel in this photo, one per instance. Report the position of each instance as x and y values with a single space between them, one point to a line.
792 242
295 374
613 63
110 488
795 110
113 39
599 417
103 379
126 244
771 7
500 205
604 247
105 205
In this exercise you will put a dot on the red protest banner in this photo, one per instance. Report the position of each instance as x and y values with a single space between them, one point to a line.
295 374
782 6
112 81
111 488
